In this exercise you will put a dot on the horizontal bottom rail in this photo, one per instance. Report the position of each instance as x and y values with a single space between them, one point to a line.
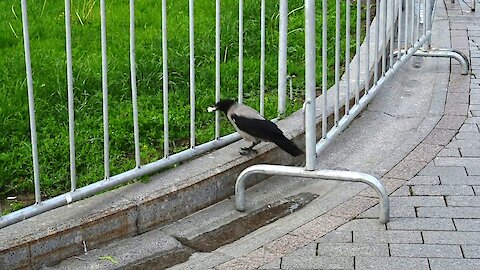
384 212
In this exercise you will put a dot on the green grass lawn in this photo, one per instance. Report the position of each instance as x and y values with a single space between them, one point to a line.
47 33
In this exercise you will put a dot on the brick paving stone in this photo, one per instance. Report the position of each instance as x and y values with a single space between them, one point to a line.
424 180
424 152
395 212
473 170
252 260
362 224
318 262
470 127
469 225
319 227
470 152
417 201
456 109
476 189
390 184
448 212
391 263
286 244
471 251
275 264
442 190
308 250
457 161
336 237
473 201
451 237
406 169
451 121
420 224
449 152
454 264
352 249
441 171
353 207
387 237
425 251
402 191
468 136
460 180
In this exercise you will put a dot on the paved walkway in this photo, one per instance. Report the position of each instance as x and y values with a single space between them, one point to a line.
435 194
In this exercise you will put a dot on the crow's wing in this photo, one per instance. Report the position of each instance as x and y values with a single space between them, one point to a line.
259 128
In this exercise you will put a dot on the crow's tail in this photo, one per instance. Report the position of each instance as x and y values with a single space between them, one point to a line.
287 145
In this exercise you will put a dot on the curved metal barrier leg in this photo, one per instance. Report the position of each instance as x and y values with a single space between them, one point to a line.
451 53
384 212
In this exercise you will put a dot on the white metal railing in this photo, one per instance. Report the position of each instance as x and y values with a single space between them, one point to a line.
394 24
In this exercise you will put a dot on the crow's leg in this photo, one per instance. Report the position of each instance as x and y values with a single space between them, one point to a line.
248 150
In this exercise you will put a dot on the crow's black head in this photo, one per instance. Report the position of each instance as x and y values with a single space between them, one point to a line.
223 105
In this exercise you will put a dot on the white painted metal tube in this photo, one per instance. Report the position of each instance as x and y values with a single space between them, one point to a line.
310 85
106 141
451 53
133 78
262 58
347 57
407 17
367 53
428 21
377 41
336 114
31 102
113 181
399 33
324 67
384 204
166 147
240 51
384 35
282 57
71 111
392 32
217 65
191 14
357 50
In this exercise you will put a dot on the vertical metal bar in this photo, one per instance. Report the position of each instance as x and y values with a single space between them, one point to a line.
384 37
377 40
31 102
262 58
217 66
166 147
367 53
324 68
71 112
192 71
106 143
282 57
417 31
310 85
392 30
425 47
412 35
399 34
357 50
240 51
133 76
407 14
337 62
347 57
428 22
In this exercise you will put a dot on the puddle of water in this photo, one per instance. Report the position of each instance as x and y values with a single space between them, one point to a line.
236 229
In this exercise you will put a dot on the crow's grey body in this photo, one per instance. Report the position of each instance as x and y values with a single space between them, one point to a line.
254 128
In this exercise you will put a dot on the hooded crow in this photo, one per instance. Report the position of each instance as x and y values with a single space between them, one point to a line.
253 127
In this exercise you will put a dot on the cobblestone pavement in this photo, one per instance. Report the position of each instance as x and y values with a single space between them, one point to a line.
435 203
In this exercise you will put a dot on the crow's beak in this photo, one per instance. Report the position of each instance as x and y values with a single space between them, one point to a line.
211 109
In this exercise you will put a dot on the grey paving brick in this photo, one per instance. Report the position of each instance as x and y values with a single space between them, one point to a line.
308 250
384 237
424 152
406 169
463 201
449 152
454 264
476 189
353 207
336 237
460 180
468 136
397 211
471 251
419 224
402 191
472 225
390 184
317 262
452 121
443 171
473 170
451 237
470 127
275 264
424 180
352 249
361 225
470 152
417 201
391 263
442 190
448 212
425 251
457 161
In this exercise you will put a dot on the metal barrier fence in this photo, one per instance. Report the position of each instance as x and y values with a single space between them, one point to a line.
398 30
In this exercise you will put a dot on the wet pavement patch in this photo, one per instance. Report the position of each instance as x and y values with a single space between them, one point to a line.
244 225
